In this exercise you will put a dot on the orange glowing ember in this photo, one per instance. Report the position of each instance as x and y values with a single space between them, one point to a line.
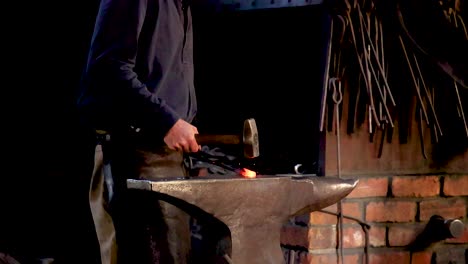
248 173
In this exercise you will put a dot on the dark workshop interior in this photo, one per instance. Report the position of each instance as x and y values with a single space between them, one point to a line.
271 64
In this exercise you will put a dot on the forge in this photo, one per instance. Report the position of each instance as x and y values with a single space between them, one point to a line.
254 209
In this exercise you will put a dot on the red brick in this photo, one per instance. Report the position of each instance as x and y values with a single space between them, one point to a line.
353 237
462 239
415 186
448 208
456 185
389 258
322 237
370 187
391 211
423 257
377 236
295 236
402 235
320 218
350 209
328 258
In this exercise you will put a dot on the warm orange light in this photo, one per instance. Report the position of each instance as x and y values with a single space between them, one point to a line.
248 173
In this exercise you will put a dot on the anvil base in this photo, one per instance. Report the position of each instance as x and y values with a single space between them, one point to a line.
253 209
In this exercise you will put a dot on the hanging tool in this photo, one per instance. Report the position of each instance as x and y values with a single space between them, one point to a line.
337 97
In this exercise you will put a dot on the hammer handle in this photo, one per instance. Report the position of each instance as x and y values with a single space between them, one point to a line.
205 139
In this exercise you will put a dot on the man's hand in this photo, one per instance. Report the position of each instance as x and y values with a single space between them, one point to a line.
181 137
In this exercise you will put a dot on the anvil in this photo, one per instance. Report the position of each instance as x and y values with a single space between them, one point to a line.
255 209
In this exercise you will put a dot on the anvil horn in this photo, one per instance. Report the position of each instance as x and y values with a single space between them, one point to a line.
254 209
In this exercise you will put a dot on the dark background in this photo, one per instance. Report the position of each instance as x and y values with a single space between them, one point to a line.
42 203
268 65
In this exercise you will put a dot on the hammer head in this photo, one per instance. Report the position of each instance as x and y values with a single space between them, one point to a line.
250 139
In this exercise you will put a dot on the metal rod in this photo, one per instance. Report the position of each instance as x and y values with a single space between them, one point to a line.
361 66
414 80
378 62
337 99
368 79
421 132
326 78
381 95
461 108
427 95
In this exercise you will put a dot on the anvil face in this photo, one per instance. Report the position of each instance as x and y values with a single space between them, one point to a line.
253 209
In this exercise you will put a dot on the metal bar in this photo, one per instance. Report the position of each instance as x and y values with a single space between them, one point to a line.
427 95
461 108
378 62
414 79
381 95
326 78
365 73
337 99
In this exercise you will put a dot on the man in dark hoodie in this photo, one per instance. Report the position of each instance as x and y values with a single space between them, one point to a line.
137 103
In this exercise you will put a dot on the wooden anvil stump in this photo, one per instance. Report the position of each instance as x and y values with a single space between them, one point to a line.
253 209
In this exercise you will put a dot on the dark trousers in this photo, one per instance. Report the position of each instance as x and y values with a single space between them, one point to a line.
131 225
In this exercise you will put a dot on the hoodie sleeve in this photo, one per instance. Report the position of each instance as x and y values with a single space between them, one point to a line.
112 58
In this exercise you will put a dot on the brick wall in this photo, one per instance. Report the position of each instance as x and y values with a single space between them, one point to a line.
396 208
397 194
411 178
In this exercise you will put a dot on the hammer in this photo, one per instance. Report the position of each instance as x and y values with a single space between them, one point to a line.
249 139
